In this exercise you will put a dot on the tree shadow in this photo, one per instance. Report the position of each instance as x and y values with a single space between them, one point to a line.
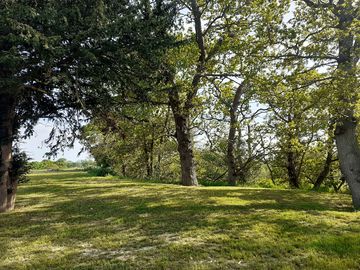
162 226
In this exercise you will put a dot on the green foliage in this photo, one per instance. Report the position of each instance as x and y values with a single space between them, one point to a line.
60 164
211 164
138 146
100 171
64 62
265 183
20 167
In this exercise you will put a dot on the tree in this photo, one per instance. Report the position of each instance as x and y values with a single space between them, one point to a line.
62 63
134 141
331 38
298 119
220 30
182 107
255 31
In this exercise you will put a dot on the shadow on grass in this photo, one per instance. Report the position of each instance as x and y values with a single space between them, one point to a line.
109 224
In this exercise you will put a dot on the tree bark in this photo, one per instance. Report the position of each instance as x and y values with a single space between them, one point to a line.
149 154
231 163
188 169
123 170
8 185
291 170
183 137
349 156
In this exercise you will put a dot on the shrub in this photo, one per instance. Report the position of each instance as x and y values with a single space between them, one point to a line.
100 171
265 183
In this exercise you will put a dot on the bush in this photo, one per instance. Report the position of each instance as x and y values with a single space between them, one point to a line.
265 183
100 171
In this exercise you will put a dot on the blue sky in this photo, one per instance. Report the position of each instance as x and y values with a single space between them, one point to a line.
36 148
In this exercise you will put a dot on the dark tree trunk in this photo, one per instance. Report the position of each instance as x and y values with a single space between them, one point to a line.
185 148
184 140
123 170
291 170
8 186
231 163
232 176
149 154
324 172
151 161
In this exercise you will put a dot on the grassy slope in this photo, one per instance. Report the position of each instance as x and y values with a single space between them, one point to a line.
72 221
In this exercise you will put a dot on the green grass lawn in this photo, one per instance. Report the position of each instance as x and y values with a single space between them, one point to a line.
69 220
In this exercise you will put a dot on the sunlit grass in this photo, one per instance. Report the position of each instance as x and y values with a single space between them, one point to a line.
69 220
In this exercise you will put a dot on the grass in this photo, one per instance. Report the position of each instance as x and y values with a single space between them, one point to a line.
69 220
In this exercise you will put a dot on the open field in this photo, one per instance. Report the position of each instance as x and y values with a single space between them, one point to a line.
69 220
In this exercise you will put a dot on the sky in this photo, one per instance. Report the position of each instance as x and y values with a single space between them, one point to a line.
36 148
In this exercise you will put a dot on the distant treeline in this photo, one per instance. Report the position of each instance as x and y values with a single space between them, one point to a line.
60 164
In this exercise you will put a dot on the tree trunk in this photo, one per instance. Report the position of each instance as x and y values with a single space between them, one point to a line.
123 170
182 110
232 177
183 137
149 153
151 161
349 156
291 169
8 186
325 171
231 163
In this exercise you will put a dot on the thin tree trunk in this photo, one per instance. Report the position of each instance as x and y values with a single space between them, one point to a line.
232 176
271 172
123 170
324 172
231 163
148 154
147 158
8 186
152 143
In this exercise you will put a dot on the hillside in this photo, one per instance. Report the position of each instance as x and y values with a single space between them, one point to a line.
79 222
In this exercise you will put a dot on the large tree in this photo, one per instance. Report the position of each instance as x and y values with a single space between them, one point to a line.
328 35
216 44
58 61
